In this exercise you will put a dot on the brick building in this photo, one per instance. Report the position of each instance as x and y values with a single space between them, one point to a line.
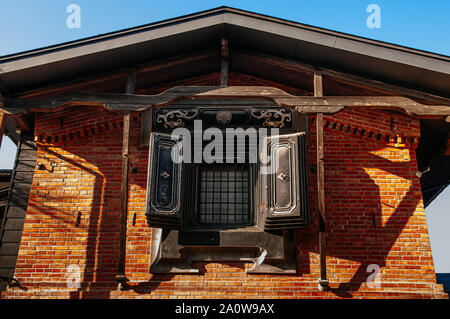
362 145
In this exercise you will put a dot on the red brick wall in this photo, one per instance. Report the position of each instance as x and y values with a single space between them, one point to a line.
373 201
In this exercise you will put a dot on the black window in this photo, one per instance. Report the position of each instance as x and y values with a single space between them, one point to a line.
224 195
228 195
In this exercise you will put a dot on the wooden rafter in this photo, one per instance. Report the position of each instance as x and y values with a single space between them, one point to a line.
303 104
288 65
119 76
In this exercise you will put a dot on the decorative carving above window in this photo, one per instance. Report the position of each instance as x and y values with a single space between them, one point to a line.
274 118
224 117
174 118
244 116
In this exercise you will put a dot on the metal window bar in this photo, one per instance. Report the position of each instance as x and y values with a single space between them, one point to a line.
225 190
224 194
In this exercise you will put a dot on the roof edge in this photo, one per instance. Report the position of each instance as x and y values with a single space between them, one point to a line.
210 12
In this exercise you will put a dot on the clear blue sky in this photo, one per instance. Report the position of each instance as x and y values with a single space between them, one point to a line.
424 25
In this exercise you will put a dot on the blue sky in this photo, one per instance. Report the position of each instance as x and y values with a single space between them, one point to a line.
425 25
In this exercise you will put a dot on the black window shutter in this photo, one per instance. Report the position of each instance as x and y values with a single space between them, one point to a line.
164 182
284 198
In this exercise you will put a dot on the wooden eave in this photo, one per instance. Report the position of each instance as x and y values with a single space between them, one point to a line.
302 104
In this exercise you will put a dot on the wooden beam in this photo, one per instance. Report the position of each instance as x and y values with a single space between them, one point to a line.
318 92
120 277
224 62
303 104
295 66
2 126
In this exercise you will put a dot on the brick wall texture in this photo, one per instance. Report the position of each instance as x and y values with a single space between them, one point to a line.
376 218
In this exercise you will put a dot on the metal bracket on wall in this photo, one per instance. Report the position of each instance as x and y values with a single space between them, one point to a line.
174 251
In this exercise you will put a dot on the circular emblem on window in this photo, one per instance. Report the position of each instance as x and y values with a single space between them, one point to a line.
223 117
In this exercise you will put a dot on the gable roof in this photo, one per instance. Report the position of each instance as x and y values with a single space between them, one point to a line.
390 63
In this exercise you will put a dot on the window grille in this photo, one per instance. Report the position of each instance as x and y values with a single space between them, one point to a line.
224 194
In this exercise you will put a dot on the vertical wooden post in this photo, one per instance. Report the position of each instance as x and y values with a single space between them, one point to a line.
2 126
318 92
120 277
224 62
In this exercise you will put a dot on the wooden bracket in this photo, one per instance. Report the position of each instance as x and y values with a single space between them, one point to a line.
269 253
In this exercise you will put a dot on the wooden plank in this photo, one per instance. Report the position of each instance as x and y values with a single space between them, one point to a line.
124 183
320 166
28 144
24 177
224 63
16 211
304 104
14 224
318 92
27 155
124 190
318 88
25 166
11 236
8 261
9 248
21 188
6 272
18 200
2 126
